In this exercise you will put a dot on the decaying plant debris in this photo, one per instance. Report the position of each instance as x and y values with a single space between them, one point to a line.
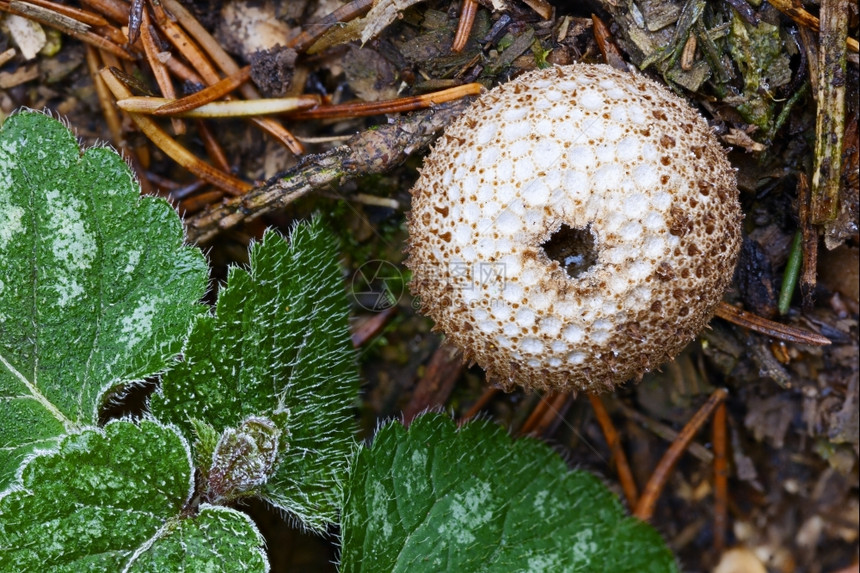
779 83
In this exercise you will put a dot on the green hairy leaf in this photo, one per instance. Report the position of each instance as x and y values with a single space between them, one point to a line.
96 288
217 539
277 347
98 292
437 498
115 500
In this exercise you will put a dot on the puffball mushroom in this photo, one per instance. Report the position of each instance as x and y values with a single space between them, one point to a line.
575 228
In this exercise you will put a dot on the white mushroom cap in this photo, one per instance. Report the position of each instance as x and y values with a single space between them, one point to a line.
575 228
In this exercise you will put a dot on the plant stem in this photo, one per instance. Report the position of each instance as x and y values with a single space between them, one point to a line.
792 271
830 124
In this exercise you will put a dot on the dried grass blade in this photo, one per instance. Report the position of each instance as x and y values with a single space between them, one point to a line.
313 32
412 103
281 133
804 18
83 16
223 60
232 108
468 10
116 10
189 50
64 24
651 492
159 70
206 95
171 148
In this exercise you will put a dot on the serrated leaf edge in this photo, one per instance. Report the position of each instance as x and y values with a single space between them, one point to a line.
169 524
70 426
483 423
100 430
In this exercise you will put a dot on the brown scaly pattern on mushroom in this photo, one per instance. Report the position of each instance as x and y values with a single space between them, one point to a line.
574 228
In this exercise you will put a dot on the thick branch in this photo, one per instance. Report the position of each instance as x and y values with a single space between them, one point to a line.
373 151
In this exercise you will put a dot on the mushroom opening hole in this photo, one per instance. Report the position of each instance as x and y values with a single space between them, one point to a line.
574 249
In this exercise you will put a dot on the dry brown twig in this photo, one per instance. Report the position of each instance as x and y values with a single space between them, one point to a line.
770 328
545 405
368 152
480 403
314 31
232 108
66 24
159 70
436 385
468 10
721 473
399 105
170 147
622 467
557 406
800 16
651 492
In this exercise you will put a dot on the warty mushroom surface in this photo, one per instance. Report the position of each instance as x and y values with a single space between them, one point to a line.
575 228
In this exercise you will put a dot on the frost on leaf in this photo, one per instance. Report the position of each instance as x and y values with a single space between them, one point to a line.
106 499
438 498
277 347
217 539
96 288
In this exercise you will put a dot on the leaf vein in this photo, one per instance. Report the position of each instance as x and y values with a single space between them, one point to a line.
38 396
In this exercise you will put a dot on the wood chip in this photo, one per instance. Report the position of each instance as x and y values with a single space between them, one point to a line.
21 75
27 35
